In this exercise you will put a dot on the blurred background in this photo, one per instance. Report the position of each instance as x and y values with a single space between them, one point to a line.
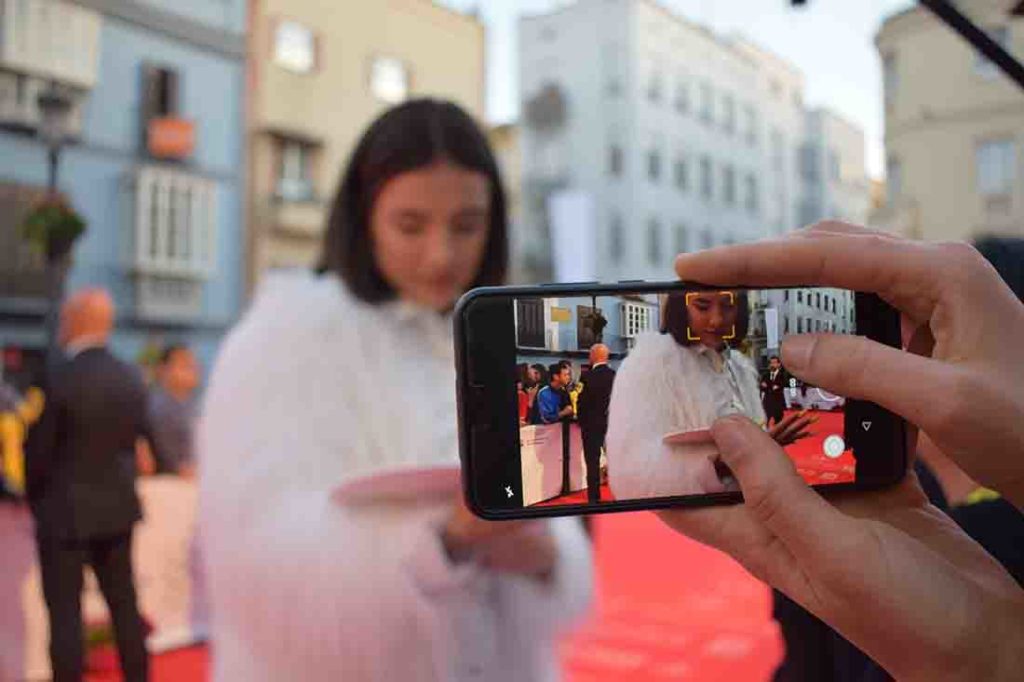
175 151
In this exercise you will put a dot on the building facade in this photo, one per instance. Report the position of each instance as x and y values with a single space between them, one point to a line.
834 181
683 139
319 73
954 127
154 164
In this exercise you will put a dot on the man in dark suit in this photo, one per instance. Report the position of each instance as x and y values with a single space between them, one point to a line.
773 384
592 409
80 476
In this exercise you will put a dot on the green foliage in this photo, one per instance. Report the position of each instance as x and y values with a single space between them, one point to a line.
53 226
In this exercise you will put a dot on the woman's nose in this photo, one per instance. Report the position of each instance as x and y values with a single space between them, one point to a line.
439 252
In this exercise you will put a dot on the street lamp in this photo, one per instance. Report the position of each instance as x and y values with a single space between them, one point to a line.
55 111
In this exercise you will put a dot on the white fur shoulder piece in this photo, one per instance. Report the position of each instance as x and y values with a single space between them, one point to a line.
660 388
337 387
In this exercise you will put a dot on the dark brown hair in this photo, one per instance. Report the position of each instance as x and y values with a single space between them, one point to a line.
676 319
405 138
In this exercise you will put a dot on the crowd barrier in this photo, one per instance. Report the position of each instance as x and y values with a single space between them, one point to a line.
166 577
552 464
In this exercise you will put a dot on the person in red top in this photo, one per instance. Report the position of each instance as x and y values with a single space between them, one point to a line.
524 402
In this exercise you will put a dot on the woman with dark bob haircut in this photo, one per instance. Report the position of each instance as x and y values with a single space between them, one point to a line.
673 386
338 546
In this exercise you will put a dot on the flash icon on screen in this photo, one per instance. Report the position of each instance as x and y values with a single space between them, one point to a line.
834 446
508 491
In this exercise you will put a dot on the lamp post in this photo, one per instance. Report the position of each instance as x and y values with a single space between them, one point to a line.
55 110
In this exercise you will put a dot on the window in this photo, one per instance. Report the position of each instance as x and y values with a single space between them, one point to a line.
707 103
615 160
654 242
294 171
636 319
890 78
729 114
706 238
175 223
800 296
817 300
706 181
680 172
530 322
751 200
785 295
389 79
994 167
654 86
294 47
807 158
161 87
729 185
785 325
834 169
682 240
799 325
777 145
682 98
750 124
893 179
654 165
982 66
616 239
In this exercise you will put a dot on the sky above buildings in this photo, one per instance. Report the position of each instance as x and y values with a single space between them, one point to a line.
831 41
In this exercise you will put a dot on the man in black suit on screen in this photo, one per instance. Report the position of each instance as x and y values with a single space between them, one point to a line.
773 384
592 414
80 480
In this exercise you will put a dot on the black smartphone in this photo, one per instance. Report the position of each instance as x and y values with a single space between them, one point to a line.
584 398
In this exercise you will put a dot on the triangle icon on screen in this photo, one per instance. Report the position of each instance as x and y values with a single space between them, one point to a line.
866 425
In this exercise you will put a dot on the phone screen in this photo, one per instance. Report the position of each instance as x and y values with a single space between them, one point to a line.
594 399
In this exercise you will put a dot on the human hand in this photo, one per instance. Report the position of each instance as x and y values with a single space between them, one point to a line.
523 547
886 569
792 428
963 390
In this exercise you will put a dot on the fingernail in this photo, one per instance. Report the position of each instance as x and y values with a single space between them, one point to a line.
796 351
730 433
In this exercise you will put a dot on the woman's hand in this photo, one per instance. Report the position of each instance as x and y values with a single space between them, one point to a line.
521 547
792 428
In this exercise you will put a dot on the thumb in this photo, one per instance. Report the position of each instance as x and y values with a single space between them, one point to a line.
856 367
772 489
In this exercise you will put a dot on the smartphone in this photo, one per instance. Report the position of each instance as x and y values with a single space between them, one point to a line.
584 398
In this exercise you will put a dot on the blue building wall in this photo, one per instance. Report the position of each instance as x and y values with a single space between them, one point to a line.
95 171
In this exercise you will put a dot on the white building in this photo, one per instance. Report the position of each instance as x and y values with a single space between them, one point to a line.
682 138
799 311
833 177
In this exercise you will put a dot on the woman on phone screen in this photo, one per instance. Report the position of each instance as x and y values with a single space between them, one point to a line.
339 379
673 386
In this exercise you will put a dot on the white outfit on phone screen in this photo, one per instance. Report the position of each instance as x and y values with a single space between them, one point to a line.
314 389
661 388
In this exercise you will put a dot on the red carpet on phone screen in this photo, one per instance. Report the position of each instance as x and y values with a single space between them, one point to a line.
666 608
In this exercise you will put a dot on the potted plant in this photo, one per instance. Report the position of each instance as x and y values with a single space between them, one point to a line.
53 226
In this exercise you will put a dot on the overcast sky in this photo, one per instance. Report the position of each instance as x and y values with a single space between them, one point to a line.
831 41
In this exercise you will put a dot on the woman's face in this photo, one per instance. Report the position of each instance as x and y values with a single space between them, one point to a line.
429 228
712 316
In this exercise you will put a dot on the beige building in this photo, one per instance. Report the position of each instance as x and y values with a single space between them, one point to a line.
318 74
954 127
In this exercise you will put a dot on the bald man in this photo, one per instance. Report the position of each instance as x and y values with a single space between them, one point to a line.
592 414
80 480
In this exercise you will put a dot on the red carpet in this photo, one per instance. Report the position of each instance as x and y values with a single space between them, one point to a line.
578 497
808 454
666 609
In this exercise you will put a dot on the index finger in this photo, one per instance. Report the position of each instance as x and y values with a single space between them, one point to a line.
907 274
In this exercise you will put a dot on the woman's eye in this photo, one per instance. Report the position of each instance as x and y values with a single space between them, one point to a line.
468 228
410 228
